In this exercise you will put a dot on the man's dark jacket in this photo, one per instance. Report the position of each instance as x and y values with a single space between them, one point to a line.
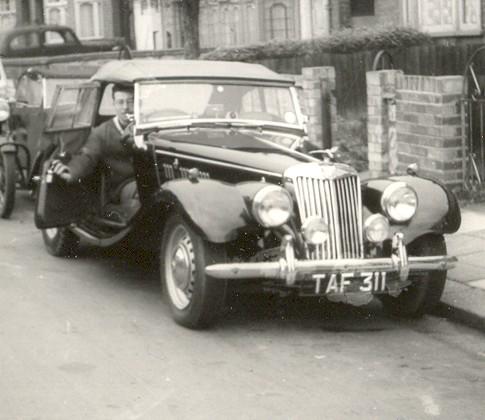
104 145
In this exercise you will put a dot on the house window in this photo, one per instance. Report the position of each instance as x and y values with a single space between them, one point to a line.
88 19
178 24
443 17
209 25
7 14
55 11
230 25
278 21
362 8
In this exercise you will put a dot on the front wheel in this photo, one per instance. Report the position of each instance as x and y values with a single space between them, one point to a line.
195 299
426 289
60 242
7 184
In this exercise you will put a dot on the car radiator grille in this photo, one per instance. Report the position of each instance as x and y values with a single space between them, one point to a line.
338 202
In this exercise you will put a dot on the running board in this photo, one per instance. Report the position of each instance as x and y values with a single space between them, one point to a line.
101 242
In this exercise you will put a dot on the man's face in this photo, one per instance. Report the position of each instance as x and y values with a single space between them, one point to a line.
123 104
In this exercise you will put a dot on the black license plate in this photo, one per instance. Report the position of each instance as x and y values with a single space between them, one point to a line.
338 283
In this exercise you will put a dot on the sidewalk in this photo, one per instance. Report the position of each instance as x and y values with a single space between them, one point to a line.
464 295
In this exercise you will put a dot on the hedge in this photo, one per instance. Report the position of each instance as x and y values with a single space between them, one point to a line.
343 41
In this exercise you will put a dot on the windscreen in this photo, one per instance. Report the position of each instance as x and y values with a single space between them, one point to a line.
160 102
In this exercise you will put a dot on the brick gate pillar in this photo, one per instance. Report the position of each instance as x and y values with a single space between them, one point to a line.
381 121
320 104
429 126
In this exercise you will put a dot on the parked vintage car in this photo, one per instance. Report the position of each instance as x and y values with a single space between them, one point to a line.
228 197
49 40
23 147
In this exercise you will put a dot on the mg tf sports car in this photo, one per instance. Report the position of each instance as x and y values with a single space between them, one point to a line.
229 195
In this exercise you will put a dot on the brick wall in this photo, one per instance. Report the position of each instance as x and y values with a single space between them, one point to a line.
381 122
429 130
415 119
320 104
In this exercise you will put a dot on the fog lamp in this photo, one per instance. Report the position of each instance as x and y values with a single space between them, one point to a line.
376 228
315 231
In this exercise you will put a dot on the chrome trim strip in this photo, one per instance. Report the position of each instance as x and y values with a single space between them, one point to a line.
219 163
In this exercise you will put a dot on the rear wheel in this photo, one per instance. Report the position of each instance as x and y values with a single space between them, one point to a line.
60 242
195 299
7 184
426 289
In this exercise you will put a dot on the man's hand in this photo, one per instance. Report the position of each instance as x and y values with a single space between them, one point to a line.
61 170
127 135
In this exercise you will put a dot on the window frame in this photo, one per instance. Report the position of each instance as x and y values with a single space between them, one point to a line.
370 5
413 15
79 105
96 16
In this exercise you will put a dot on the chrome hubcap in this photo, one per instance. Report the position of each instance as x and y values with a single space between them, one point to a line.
180 267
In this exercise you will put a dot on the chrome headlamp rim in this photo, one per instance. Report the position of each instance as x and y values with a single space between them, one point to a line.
259 202
386 201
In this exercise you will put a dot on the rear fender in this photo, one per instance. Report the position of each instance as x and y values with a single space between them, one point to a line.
219 211
438 211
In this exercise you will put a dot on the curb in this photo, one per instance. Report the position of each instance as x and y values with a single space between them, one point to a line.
463 304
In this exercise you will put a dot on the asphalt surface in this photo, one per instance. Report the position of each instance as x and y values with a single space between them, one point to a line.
90 338
464 297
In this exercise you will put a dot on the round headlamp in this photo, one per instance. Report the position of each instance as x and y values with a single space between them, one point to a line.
399 201
4 110
315 231
272 206
376 228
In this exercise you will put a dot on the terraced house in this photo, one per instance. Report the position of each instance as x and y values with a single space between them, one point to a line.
91 19
157 24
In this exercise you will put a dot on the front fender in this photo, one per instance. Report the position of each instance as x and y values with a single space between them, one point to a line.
219 211
438 211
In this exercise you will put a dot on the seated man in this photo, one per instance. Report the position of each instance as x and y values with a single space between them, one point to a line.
108 144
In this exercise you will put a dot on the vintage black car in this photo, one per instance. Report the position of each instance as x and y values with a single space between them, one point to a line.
49 40
229 198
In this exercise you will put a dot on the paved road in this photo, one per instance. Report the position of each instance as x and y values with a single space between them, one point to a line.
89 338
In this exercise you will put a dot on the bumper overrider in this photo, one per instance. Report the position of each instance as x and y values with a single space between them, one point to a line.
291 270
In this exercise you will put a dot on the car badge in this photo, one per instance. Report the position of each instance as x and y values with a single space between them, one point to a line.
328 171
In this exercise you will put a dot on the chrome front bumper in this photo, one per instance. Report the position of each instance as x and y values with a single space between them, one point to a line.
290 269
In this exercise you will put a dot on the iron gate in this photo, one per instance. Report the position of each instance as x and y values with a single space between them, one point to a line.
473 122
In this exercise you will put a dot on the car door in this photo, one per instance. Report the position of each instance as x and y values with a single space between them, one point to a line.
68 125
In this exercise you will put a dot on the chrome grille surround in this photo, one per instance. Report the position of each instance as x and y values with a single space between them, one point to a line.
330 191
